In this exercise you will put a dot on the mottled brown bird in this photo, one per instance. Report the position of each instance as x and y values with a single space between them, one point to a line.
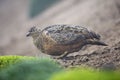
60 40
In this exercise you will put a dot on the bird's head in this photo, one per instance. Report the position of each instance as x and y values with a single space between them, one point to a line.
34 32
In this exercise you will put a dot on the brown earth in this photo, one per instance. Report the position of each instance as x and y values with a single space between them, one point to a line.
102 16
108 57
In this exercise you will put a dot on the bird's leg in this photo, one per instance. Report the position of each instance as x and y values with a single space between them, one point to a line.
61 56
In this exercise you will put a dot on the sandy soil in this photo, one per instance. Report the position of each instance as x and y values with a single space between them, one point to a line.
102 16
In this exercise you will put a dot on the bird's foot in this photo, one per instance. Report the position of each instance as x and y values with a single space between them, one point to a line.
61 56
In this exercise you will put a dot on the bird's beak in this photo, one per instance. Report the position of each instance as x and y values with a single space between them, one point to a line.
28 34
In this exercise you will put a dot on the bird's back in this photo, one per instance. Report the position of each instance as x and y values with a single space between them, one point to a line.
68 34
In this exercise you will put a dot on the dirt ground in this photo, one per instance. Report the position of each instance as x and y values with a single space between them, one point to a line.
108 58
103 57
101 16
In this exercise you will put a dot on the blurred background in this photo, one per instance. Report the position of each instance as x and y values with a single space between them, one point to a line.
17 16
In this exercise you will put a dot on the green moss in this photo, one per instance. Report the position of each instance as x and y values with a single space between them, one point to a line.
86 74
39 69
31 68
5 61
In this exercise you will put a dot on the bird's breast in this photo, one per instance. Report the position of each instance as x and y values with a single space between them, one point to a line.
57 49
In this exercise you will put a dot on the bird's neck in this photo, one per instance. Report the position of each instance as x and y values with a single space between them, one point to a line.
38 41
35 36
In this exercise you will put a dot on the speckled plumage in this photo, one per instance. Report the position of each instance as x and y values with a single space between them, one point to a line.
58 39
68 34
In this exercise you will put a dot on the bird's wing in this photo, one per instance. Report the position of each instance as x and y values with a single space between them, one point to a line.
69 35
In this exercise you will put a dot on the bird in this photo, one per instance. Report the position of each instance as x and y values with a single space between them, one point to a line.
62 39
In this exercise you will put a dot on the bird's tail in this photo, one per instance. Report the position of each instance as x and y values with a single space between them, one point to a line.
96 42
